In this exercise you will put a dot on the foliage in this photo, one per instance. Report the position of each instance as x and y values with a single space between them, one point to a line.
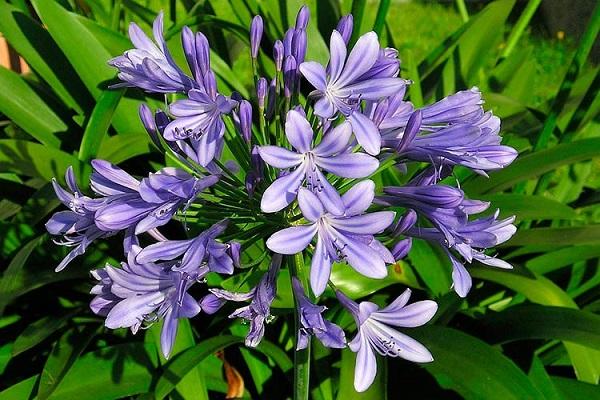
527 333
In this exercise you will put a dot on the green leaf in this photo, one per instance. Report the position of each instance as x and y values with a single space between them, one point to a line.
377 391
472 368
35 160
109 373
87 56
26 109
535 164
432 267
63 355
98 124
542 381
119 148
183 363
532 321
540 290
553 260
563 236
35 45
38 331
20 391
529 207
574 390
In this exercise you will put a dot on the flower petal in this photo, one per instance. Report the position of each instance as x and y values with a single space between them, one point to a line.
320 268
359 198
291 240
410 316
349 165
334 141
324 107
167 250
365 368
282 192
168 333
361 58
366 132
298 131
132 310
338 51
373 89
311 206
279 157
366 224
315 74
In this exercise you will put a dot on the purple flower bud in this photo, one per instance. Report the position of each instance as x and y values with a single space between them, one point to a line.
302 17
402 248
405 222
245 115
210 303
150 125
278 53
234 252
256 32
261 92
272 97
345 26
289 75
299 45
287 42
412 128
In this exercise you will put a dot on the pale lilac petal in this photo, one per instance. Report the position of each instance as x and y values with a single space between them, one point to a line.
365 369
291 240
373 89
189 307
132 310
315 74
334 141
349 165
331 199
363 259
359 197
325 108
310 205
366 224
320 268
298 131
410 316
366 133
167 250
408 348
337 48
282 192
168 333
279 157
361 58
461 280
333 336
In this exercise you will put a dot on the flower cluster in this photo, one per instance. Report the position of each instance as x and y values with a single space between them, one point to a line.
294 178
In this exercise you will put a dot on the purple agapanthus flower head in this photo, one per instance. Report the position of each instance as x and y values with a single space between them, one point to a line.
313 323
203 251
139 293
146 204
76 226
258 312
376 333
349 81
348 237
307 161
150 65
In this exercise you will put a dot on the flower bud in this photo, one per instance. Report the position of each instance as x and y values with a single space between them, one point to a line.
345 26
245 115
302 17
278 54
256 32
299 46
289 75
402 248
261 92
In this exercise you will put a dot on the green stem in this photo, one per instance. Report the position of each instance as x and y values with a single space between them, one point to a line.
462 9
519 28
301 357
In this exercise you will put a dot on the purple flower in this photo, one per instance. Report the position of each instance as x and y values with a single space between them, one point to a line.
147 204
376 333
245 120
278 53
348 237
259 310
256 32
76 226
330 154
348 82
199 118
289 76
150 66
197 54
344 27
313 323
201 251
141 293
302 17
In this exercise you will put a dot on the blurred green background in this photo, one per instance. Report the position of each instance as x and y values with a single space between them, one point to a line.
530 333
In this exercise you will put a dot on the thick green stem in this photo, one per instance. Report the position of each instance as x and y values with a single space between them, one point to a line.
301 357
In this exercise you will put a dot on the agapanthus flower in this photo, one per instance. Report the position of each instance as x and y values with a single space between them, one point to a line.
203 250
76 226
258 312
330 154
376 333
139 293
199 118
146 204
149 65
313 323
348 82
348 237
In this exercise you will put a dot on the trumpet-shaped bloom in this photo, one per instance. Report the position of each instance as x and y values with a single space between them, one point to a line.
201 250
313 323
348 237
330 154
349 81
376 333
141 293
150 65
